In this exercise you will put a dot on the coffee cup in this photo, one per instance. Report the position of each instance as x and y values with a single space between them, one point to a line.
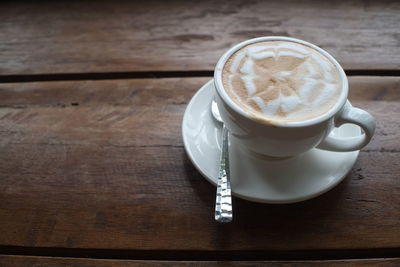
281 96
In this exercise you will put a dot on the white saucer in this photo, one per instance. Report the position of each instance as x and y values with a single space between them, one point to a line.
254 177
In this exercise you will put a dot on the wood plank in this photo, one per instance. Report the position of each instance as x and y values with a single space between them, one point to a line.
126 36
150 110
20 261
153 91
111 173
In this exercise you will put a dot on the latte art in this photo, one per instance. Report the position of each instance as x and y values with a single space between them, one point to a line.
281 80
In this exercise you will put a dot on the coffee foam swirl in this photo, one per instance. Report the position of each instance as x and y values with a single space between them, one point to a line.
281 80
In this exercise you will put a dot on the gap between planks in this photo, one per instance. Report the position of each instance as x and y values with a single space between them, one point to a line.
150 74
179 255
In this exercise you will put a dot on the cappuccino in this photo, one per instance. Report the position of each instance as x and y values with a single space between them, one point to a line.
281 81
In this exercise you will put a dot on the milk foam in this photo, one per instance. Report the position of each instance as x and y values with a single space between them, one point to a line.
281 80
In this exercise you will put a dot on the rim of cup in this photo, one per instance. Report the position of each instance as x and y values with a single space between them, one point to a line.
325 116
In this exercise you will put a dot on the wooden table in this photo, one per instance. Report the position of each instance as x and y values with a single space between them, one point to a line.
92 166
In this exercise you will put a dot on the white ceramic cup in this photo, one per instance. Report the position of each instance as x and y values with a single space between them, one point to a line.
283 139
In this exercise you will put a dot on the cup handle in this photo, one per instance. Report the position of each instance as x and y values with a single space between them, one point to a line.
350 114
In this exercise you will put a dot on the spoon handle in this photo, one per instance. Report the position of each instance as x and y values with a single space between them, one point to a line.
223 202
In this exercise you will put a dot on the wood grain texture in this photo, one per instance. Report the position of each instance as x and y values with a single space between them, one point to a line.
100 164
22 261
125 36
149 111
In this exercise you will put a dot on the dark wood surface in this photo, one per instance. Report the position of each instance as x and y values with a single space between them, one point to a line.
18 261
94 173
125 36
101 164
